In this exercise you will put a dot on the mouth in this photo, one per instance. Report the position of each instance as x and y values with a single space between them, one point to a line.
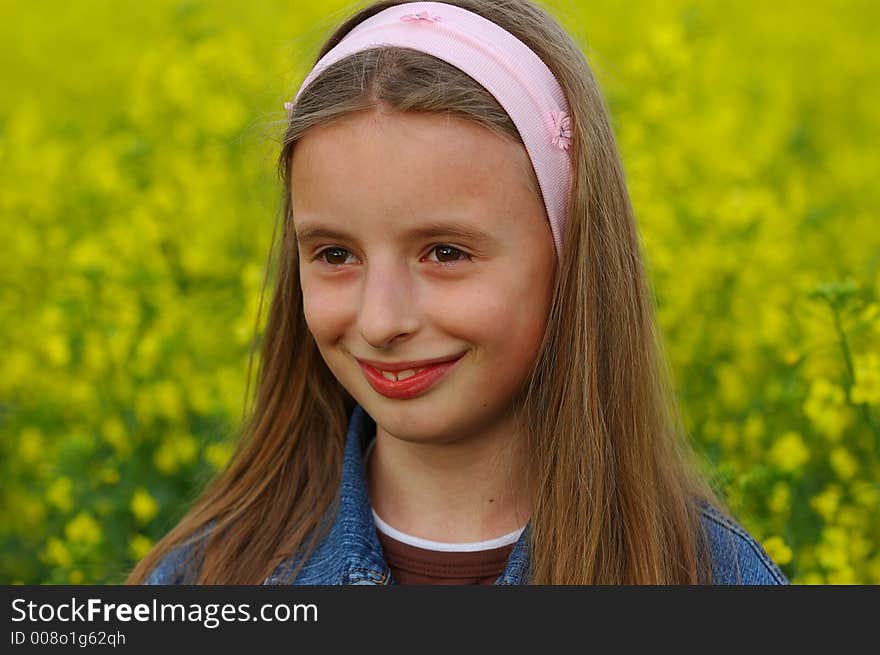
408 382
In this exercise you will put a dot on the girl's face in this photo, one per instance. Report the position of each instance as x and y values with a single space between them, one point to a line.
420 238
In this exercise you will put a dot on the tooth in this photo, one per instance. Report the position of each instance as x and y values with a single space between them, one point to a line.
403 375
389 376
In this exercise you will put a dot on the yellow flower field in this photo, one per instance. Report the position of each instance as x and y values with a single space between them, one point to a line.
137 199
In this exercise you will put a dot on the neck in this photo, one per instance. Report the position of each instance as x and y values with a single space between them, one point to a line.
464 491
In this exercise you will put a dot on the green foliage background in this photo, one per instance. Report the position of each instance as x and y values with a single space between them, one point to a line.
137 197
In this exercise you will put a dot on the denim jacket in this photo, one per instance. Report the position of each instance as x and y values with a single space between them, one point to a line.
352 555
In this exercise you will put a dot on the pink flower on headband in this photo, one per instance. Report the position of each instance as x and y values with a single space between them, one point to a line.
288 106
422 15
561 129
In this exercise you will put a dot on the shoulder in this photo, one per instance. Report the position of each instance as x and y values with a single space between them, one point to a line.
177 566
172 569
737 557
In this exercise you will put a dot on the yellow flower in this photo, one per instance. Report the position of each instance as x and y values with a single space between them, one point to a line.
139 546
185 448
843 463
851 516
57 349
218 454
60 494
778 551
859 547
86 254
95 353
754 428
779 501
114 433
789 452
143 506
871 312
176 449
57 553
168 400
164 458
866 494
30 444
145 406
867 378
146 353
832 551
826 502
83 529
842 575
252 277
824 407
201 397
812 578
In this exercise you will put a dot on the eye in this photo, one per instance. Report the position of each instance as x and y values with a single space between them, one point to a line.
444 251
335 252
446 254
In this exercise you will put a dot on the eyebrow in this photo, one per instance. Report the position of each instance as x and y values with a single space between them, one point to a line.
310 232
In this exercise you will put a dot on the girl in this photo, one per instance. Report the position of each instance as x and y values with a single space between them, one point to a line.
461 380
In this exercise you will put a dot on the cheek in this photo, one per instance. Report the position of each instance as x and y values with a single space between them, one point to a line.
506 319
325 309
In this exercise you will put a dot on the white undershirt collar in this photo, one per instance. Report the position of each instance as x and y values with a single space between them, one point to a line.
446 546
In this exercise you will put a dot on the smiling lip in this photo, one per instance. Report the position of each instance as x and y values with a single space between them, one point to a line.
396 367
435 370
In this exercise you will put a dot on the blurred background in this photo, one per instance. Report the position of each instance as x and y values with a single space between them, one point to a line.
137 199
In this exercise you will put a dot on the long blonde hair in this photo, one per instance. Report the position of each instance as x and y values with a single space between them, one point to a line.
613 482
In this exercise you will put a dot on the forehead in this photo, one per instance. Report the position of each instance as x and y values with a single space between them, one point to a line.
393 166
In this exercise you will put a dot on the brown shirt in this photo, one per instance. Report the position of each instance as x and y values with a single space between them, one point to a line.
411 565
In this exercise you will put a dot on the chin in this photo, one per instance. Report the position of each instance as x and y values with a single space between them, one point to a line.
412 421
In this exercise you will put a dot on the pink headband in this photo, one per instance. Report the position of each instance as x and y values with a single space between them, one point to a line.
504 65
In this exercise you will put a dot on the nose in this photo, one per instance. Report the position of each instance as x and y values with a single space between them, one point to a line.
388 308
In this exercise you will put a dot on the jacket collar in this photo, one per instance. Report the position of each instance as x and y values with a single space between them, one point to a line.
351 552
